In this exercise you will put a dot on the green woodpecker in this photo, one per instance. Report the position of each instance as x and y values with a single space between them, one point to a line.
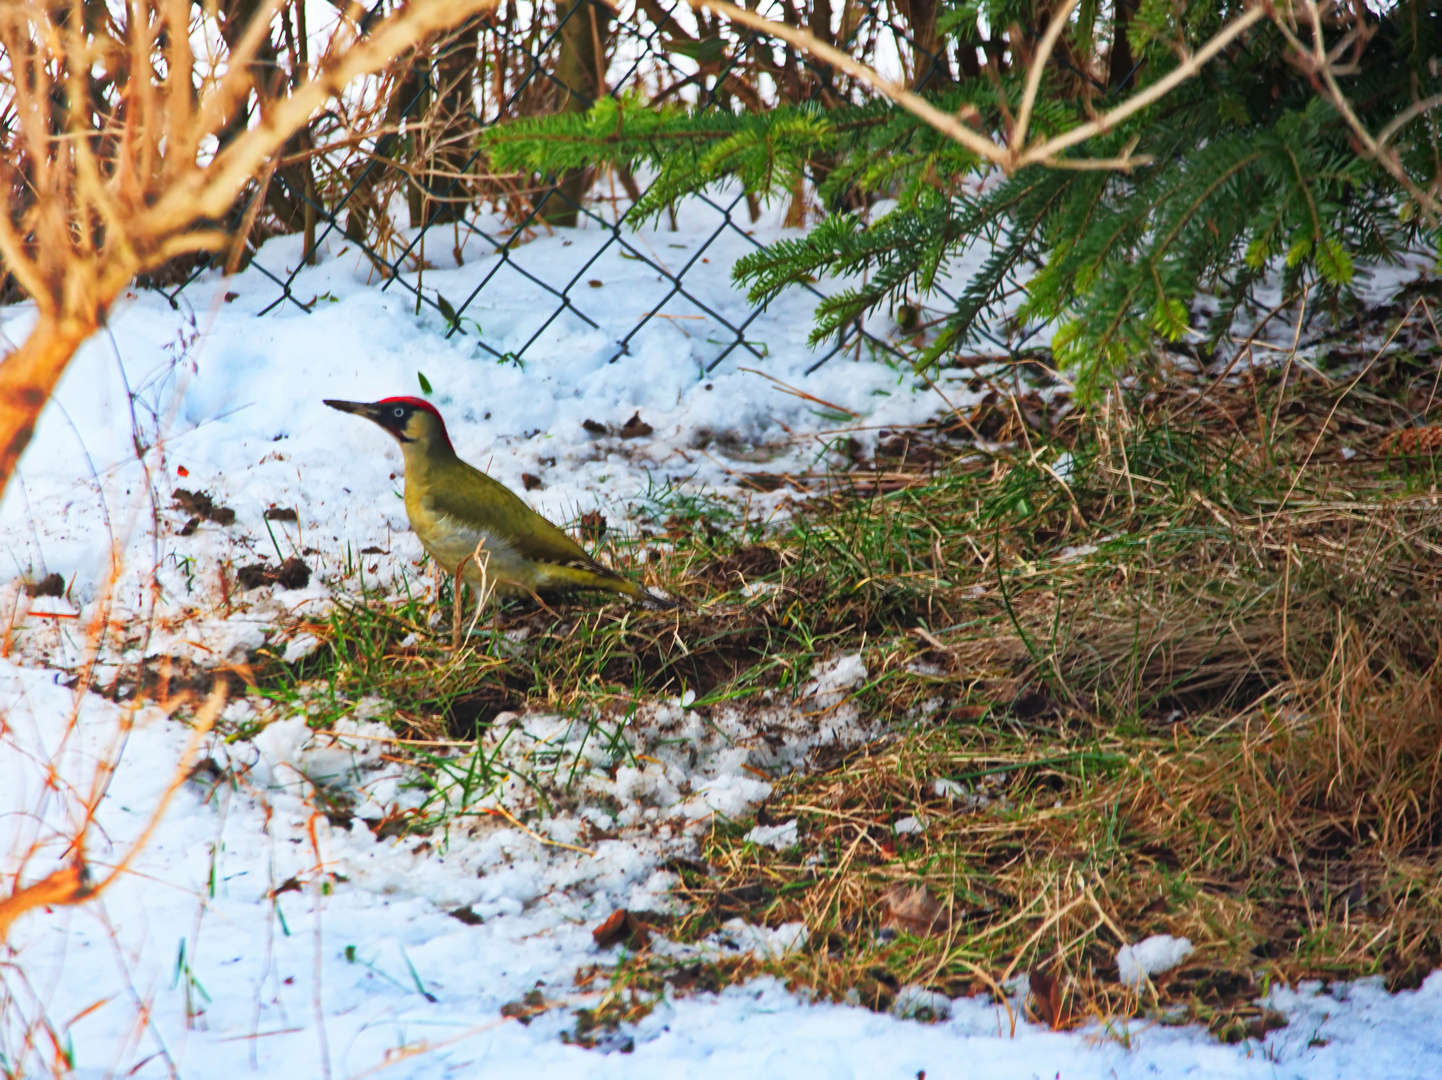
468 521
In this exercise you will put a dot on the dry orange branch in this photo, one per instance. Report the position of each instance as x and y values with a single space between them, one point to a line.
69 885
106 188
72 884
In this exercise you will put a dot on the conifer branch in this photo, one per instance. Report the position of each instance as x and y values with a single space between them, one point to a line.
912 103
1318 62
1018 155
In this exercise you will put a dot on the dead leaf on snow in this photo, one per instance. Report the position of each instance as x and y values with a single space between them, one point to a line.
50 585
592 525
528 1008
292 574
202 505
636 428
622 925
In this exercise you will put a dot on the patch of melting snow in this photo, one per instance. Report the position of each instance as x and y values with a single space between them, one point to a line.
304 645
831 681
211 641
780 837
737 935
52 605
917 1002
1151 956
961 795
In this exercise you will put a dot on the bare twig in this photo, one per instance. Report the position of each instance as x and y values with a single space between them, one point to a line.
1038 68
1320 64
913 103
1018 154
1406 116
1157 90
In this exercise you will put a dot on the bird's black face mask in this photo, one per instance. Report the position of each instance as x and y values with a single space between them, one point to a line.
404 418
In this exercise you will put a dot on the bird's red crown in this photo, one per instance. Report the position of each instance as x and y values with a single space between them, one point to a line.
413 402
424 406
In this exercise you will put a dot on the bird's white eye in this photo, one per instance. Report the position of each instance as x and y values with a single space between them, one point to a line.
399 412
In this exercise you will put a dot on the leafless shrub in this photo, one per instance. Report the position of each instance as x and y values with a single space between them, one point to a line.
128 146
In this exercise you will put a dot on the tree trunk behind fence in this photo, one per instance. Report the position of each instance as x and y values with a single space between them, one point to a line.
452 132
930 66
1119 67
581 71
413 101
285 195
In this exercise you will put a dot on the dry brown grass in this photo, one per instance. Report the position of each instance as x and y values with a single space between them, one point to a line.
1297 838
1223 723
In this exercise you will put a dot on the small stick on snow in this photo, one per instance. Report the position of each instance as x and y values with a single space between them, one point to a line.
458 602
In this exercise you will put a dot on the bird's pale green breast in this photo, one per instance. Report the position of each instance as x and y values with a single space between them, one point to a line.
452 506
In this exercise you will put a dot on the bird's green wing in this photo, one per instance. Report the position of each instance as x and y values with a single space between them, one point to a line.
470 495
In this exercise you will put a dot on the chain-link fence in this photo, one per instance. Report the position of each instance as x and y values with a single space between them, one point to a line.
401 167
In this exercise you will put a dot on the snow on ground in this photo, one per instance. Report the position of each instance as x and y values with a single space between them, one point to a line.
259 936
249 967
239 397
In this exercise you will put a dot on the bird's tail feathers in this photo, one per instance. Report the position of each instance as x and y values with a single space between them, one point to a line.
599 577
654 600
